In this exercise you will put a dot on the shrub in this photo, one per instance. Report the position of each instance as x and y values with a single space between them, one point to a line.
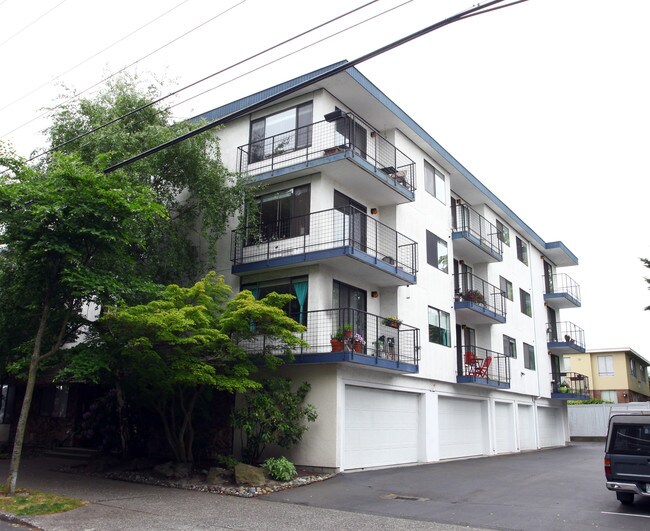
280 468
226 461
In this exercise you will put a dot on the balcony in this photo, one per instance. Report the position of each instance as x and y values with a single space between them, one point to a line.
570 386
565 338
367 164
338 236
477 365
561 291
476 240
363 339
477 301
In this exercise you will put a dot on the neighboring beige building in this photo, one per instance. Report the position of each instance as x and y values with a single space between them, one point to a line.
616 374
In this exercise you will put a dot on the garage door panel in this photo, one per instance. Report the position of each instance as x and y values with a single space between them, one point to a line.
381 427
550 427
505 427
526 428
461 427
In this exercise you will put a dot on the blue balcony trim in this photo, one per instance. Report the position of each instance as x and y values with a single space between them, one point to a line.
347 154
570 396
563 295
482 381
478 308
467 235
566 344
353 357
314 256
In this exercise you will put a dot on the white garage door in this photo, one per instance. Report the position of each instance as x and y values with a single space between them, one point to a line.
550 427
461 427
505 427
381 427
526 428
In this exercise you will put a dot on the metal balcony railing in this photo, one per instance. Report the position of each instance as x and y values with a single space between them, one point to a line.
472 288
350 330
466 219
565 332
561 283
570 383
320 231
348 133
484 364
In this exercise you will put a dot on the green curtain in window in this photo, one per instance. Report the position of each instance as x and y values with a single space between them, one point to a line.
301 294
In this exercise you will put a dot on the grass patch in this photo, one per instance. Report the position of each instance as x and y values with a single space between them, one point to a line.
31 502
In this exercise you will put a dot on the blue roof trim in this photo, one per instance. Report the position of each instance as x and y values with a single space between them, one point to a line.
229 108
395 109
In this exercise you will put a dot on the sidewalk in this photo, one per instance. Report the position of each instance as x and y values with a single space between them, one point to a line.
117 505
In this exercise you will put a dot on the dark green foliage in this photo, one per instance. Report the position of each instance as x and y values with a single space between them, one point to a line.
273 414
590 401
280 468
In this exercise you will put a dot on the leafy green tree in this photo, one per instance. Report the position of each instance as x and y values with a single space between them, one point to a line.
186 341
67 234
646 262
272 414
199 193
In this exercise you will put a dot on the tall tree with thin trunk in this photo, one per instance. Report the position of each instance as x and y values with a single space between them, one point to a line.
67 235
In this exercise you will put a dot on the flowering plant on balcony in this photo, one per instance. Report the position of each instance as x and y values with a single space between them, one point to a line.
391 321
358 338
474 295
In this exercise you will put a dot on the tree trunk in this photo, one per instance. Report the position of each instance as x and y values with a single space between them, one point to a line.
10 484
123 421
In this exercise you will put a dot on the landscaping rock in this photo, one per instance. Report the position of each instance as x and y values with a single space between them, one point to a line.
173 470
218 476
249 475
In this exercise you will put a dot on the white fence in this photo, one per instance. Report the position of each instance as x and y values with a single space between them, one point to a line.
590 420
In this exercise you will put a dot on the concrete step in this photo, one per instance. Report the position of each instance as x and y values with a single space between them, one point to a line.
71 452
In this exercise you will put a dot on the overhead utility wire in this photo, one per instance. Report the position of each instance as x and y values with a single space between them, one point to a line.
249 58
76 96
92 56
478 9
32 22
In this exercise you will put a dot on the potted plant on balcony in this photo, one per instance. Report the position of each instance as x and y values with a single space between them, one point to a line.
337 340
474 295
347 330
359 342
393 322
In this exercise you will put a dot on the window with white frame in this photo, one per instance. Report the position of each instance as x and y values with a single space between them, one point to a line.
503 233
609 396
605 366
506 288
522 250
437 252
524 303
434 182
439 327
632 367
281 132
529 357
509 346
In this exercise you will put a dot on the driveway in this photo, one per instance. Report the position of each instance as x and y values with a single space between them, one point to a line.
561 488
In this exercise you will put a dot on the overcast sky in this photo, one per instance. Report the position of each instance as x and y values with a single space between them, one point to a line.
545 102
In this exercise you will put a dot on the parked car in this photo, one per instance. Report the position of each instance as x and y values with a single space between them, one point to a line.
627 455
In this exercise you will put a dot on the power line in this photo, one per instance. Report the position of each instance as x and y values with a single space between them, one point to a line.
77 95
92 56
154 102
32 22
478 9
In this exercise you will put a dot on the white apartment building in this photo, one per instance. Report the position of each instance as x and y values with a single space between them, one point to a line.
453 303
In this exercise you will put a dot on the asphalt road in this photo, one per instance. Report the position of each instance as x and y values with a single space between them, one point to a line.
559 489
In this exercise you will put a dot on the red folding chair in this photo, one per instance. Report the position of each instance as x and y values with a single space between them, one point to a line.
482 370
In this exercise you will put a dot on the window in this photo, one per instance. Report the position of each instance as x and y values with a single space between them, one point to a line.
503 233
352 132
509 346
285 214
434 182
437 252
566 363
281 132
632 367
643 372
609 396
524 302
439 327
296 286
529 357
605 366
522 251
506 288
